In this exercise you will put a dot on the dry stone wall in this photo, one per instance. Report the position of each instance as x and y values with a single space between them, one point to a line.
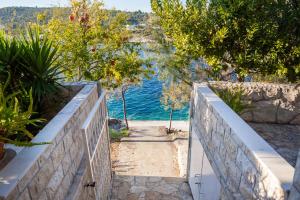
58 170
271 103
246 166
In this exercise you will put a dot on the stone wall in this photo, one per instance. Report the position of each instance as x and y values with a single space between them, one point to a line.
280 103
55 170
295 191
246 166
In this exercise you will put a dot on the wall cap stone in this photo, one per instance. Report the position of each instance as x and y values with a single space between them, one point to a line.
257 147
28 157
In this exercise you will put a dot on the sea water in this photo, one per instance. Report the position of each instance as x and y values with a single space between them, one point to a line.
143 103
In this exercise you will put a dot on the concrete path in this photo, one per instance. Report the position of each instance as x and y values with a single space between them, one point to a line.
146 165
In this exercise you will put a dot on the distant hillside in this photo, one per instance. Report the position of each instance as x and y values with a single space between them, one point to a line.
20 16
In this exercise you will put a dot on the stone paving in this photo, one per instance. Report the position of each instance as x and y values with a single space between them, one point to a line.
146 166
150 188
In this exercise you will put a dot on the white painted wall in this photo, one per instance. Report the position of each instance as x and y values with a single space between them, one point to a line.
202 172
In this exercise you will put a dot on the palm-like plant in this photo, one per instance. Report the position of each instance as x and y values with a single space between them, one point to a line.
10 52
13 121
40 62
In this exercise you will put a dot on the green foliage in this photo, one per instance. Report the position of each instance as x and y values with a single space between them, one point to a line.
96 46
41 68
232 97
118 135
175 95
250 36
14 121
32 62
10 55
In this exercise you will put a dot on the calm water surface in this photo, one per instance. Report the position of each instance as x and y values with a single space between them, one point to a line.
143 103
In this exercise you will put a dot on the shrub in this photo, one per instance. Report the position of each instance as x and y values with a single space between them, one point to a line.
118 135
10 52
41 69
32 62
232 97
14 121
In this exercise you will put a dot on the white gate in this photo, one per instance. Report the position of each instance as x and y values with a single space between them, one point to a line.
202 180
96 131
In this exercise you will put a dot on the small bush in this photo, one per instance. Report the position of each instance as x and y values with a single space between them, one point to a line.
14 121
32 62
233 98
118 135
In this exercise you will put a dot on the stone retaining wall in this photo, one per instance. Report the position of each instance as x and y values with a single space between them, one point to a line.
280 103
246 166
52 171
295 191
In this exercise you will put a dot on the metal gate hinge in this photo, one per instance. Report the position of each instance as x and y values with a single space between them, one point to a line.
91 184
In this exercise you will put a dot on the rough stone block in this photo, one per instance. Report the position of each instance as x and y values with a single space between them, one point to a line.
66 162
60 194
271 92
247 116
296 120
28 176
269 114
68 141
24 195
57 155
234 175
66 183
55 182
43 196
246 189
41 180
248 170
46 154
231 146
285 112
60 135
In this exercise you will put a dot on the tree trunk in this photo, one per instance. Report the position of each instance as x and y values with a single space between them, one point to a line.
2 150
124 107
171 117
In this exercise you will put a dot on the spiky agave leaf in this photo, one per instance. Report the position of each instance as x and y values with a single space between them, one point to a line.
40 60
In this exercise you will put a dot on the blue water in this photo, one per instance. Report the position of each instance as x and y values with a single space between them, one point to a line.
143 103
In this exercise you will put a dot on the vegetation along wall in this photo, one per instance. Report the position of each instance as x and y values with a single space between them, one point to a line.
65 168
280 102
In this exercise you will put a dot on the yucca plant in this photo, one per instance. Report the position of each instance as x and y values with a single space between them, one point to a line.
14 121
40 61
10 52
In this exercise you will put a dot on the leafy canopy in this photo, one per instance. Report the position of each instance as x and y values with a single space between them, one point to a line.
96 46
251 36
175 95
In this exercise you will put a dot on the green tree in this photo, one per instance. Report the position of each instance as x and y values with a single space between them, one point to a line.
175 96
92 44
96 46
251 36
